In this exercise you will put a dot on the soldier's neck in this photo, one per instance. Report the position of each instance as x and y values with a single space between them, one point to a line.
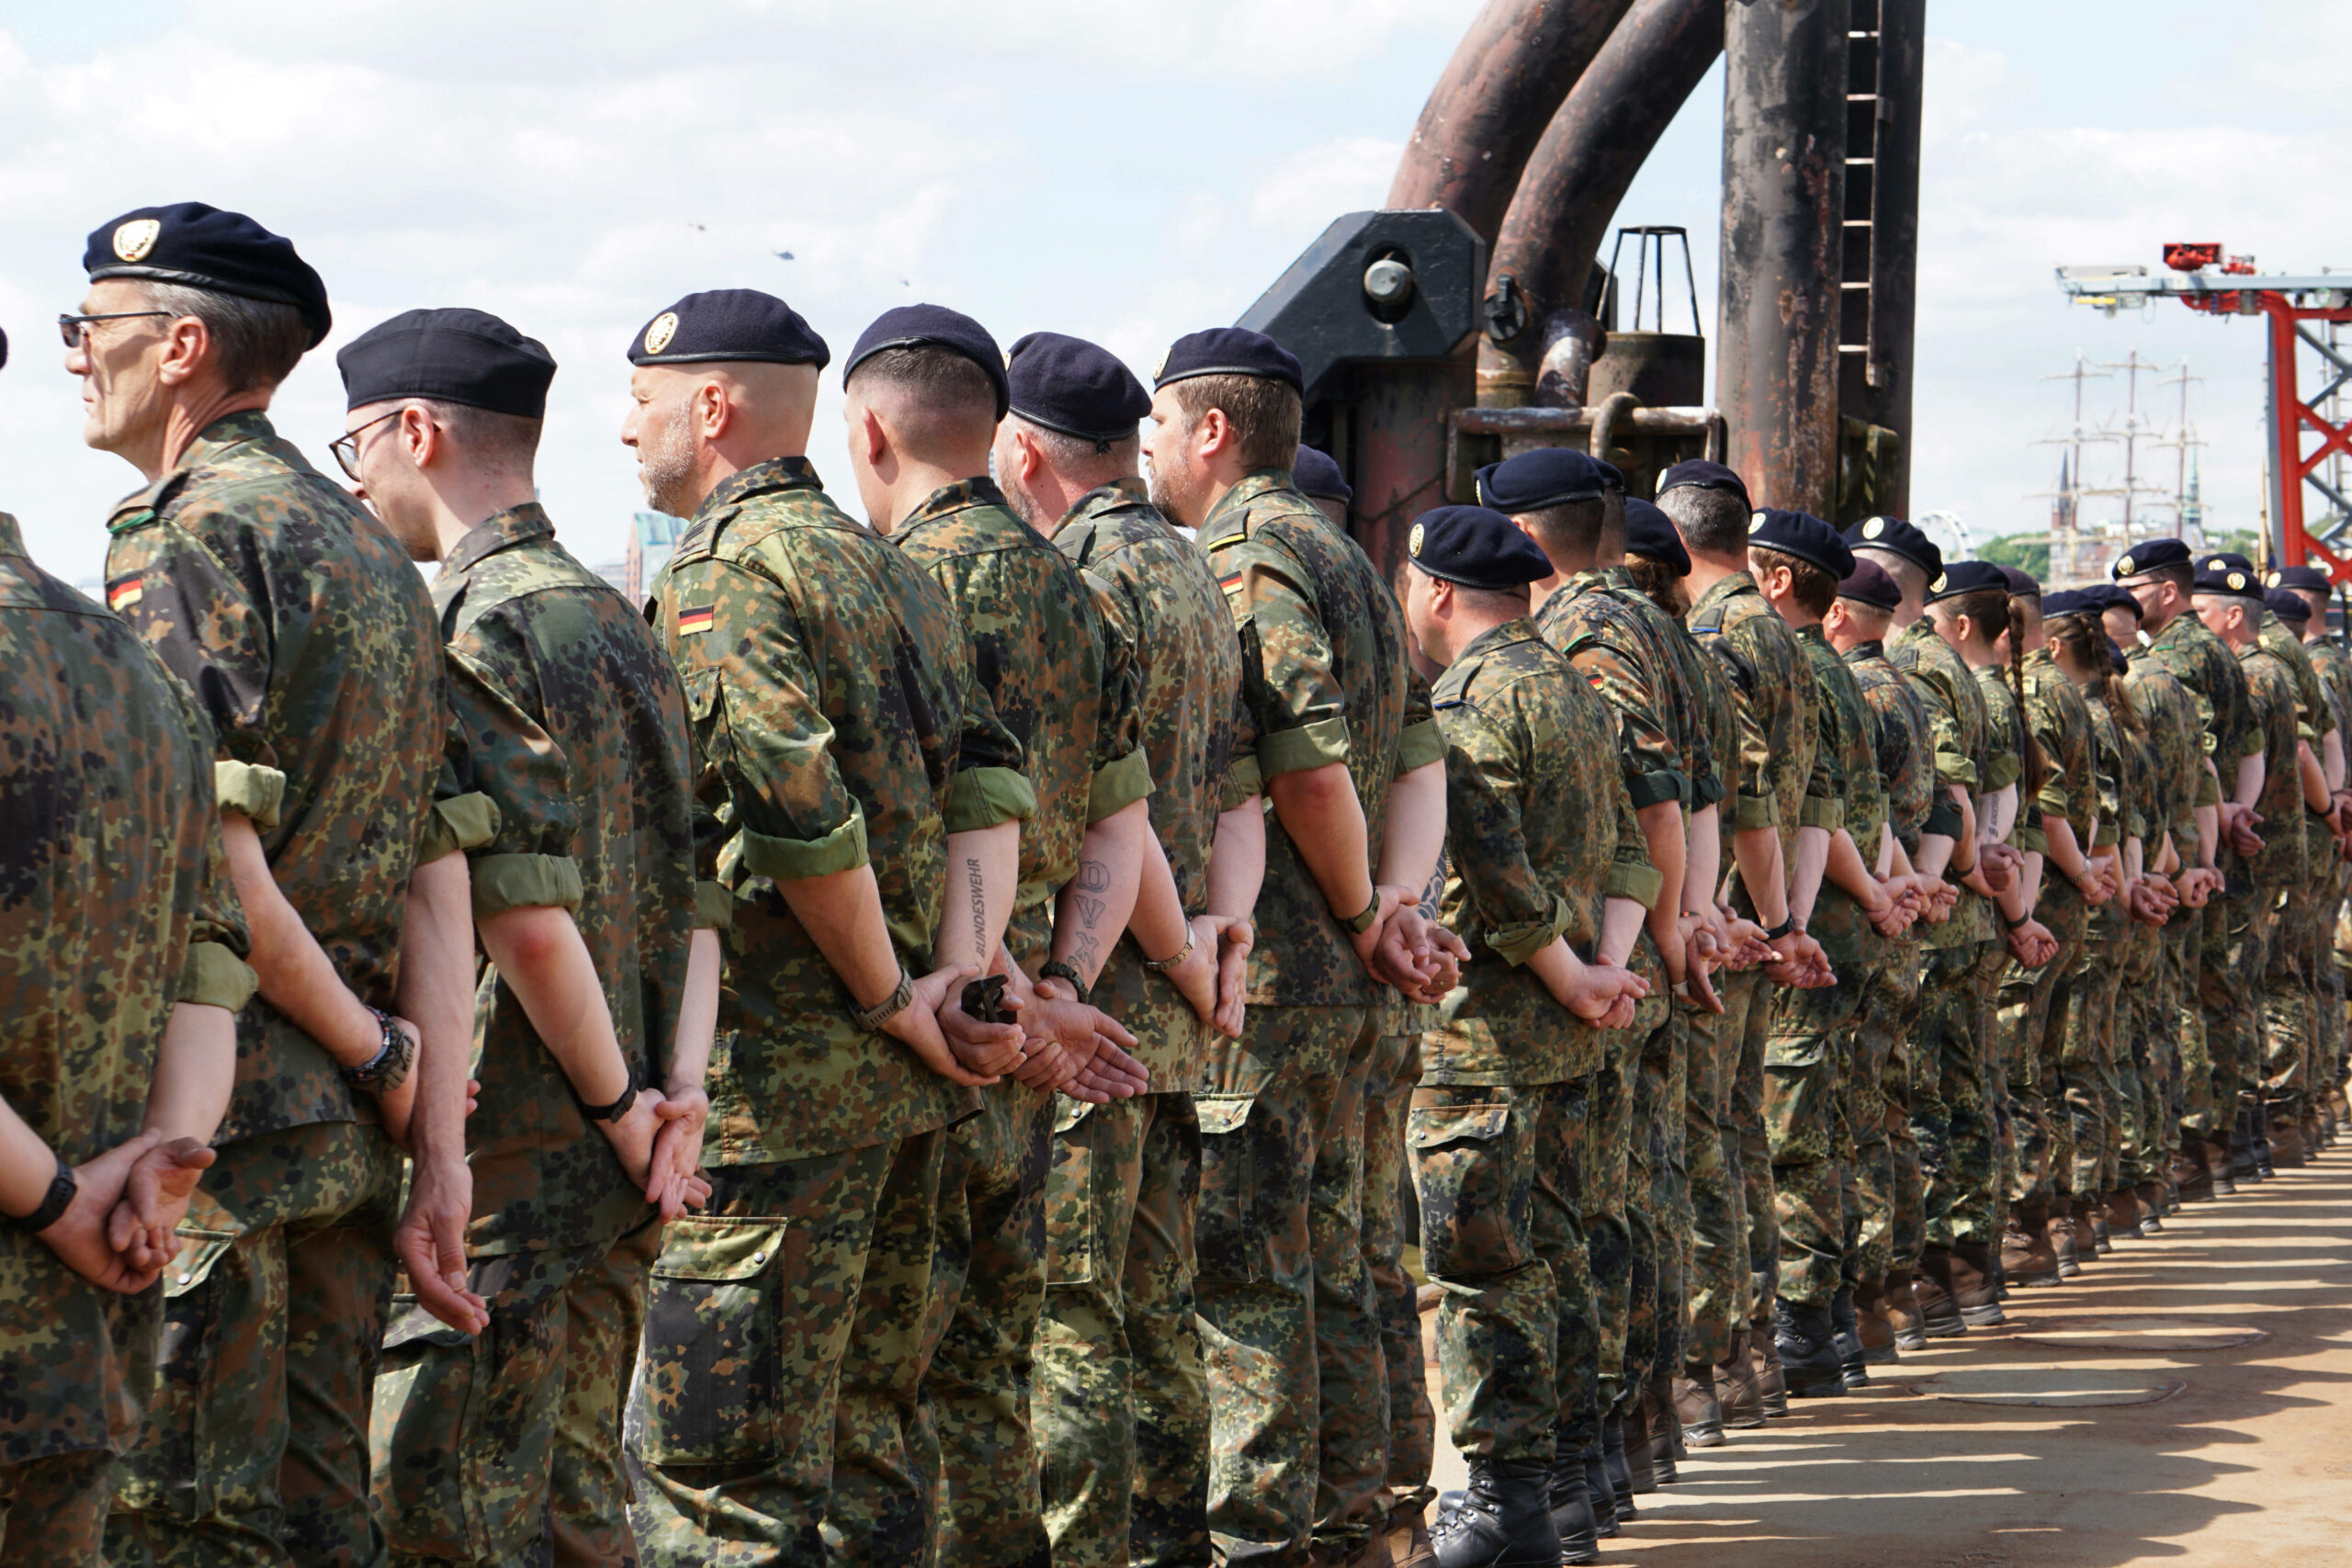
1706 570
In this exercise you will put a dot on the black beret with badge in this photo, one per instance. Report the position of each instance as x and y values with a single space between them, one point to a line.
1895 536
1804 535
1698 473
1313 473
1652 534
453 356
2225 560
1476 547
1074 387
2309 578
2149 556
1229 351
916 326
204 247
1549 475
1869 583
1967 577
2288 606
2219 576
722 324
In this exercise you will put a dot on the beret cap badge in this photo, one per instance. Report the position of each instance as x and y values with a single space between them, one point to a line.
2277 578
2123 566
134 239
1755 521
659 333
1873 528
1413 545
2237 582
1939 584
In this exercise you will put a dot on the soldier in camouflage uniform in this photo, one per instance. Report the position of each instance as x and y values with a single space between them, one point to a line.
1537 879
504 1446
1587 608
2329 872
1339 731
309 642
845 756
2158 574
926 389
1886 1214
102 982
1120 1407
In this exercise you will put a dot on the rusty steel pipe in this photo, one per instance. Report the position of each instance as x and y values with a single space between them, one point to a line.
1512 69
1580 170
1784 200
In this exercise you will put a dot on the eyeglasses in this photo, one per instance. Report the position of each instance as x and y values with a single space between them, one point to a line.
76 330
345 448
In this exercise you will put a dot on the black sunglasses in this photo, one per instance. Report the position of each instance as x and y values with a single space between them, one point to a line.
76 330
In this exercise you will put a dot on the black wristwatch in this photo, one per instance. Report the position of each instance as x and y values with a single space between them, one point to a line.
53 1204
1055 969
618 1109
1786 927
1363 922
387 1068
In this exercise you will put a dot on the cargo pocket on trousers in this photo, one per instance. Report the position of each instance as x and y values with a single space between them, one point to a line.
713 1346
1473 1202
1230 1237
172 1473
1070 1224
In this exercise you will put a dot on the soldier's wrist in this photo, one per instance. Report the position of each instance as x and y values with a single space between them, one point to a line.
55 1201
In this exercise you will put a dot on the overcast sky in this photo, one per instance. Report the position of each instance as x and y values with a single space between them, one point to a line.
1124 171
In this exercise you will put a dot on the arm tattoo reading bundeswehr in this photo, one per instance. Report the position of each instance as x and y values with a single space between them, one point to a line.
977 894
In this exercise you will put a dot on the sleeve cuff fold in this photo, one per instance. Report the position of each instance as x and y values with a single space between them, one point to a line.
462 822
977 798
2002 772
1631 879
795 859
1117 785
1424 743
1315 745
1944 819
714 907
1952 768
1708 793
1819 812
249 790
1657 789
214 977
1522 940
524 881
1755 811
1242 780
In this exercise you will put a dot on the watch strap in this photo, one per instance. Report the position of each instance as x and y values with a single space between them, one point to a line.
619 1108
53 1203
1055 969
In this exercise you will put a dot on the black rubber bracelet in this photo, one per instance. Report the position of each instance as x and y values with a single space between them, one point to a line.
618 1109
1785 928
53 1204
1055 969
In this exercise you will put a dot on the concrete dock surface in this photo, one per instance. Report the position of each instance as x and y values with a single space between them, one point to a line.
2187 1401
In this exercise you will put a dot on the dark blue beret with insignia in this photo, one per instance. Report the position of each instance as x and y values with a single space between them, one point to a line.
1475 547
2309 577
1229 351
1700 474
1549 475
454 356
1314 473
1966 577
1069 385
1804 535
1651 533
2220 577
2148 557
912 326
2223 560
1869 583
204 247
2286 606
729 323
1895 536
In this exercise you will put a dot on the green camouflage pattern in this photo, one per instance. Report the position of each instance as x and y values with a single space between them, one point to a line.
103 760
1847 748
1615 639
1528 856
1324 679
836 723
1494 1170
306 637
2270 682
1158 592
1119 1401
1961 731
1905 755
1780 722
53 1510
2177 748
1389 1086
2201 662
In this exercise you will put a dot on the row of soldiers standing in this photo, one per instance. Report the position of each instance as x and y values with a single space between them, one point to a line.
1005 953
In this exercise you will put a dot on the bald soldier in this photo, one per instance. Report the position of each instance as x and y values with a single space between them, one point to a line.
845 757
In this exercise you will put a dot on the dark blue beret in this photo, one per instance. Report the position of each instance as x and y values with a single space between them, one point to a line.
2288 606
2224 579
1870 584
453 356
1229 351
724 324
1069 385
1897 538
2148 557
2022 583
1804 535
204 247
2105 596
2309 577
1612 475
1651 533
2225 560
1475 547
2068 602
2115 651
1549 475
1966 577
1314 473
1700 474
911 326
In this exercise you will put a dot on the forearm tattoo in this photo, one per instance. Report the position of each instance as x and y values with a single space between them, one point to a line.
1086 942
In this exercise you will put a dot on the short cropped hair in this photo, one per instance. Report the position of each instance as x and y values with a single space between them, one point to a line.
1264 413
942 396
1810 585
255 343
1569 530
1714 521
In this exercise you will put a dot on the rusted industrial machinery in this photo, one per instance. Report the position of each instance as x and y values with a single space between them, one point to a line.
1471 318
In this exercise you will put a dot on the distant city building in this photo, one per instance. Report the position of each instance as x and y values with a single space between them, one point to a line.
617 574
652 536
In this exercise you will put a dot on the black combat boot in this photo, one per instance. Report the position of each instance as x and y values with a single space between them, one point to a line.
1621 1475
1596 1487
1845 1332
1808 1347
1572 1506
1503 1521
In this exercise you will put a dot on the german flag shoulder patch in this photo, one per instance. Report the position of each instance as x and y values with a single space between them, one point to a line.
696 620
123 592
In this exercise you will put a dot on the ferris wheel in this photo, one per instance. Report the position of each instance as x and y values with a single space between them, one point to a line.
1948 532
